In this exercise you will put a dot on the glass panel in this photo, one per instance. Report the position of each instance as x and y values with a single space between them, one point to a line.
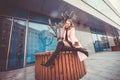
16 54
5 27
100 40
95 40
105 42
40 39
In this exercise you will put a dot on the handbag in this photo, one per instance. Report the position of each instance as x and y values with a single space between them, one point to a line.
81 56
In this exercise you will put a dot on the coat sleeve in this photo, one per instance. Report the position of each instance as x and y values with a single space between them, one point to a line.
73 37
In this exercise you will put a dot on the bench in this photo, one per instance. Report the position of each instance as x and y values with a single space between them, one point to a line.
67 67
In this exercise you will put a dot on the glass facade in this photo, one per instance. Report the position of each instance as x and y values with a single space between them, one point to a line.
5 30
16 53
40 38
100 40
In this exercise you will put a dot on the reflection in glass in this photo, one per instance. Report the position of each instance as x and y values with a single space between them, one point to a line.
5 28
95 40
40 39
105 42
100 40
16 54
96 45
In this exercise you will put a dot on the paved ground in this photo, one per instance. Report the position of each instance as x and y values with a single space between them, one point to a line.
103 66
100 66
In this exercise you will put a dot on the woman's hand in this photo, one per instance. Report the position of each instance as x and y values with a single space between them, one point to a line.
66 43
60 39
77 44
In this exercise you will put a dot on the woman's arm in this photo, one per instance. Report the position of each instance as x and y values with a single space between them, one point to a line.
73 38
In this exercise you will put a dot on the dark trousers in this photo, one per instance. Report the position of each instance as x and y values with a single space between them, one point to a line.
62 47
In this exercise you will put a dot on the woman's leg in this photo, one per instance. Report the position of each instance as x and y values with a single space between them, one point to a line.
76 49
59 47
81 50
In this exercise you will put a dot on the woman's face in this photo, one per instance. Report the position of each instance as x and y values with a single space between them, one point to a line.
67 24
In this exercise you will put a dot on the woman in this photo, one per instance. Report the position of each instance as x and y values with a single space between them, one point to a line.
67 42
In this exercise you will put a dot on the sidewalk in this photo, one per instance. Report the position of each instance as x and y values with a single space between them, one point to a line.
103 66
100 66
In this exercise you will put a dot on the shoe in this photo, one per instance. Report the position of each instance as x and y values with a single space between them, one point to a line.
86 53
